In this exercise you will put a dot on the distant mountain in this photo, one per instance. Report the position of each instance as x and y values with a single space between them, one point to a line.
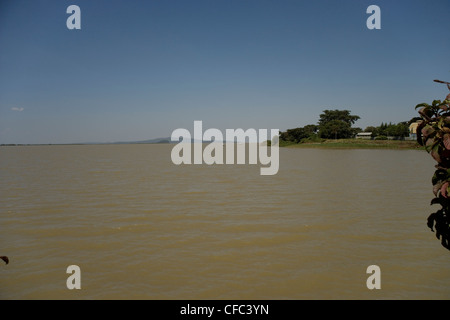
151 141
161 140
157 140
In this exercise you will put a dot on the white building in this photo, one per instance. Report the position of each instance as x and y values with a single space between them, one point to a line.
364 135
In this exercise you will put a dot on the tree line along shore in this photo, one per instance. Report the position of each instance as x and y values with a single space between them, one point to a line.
335 130
356 144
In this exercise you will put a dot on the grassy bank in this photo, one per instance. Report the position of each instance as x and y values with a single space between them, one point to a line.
357 144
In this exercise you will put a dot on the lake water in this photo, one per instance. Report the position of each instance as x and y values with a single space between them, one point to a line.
140 227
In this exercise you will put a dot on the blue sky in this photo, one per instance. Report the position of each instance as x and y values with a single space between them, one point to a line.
140 69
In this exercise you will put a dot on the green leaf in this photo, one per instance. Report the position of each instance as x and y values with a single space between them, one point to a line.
422 105
436 103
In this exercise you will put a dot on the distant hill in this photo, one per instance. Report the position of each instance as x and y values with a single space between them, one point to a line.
150 141
157 140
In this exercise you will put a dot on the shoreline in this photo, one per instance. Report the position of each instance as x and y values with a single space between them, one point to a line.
358 144
327 144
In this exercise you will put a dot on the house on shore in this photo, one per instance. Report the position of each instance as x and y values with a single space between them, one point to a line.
364 135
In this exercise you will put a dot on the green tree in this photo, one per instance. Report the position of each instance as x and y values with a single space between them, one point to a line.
355 131
370 129
382 129
311 129
335 129
341 115
298 134
398 131
337 124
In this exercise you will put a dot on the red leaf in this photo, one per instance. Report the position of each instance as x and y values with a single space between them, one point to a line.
444 190
427 130
446 140
437 187
445 154
435 153
429 143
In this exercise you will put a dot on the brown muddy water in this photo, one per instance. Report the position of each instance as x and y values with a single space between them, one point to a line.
140 227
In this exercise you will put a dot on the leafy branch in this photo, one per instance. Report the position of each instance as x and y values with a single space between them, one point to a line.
433 133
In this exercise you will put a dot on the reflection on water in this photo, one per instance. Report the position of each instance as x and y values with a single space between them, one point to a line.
140 227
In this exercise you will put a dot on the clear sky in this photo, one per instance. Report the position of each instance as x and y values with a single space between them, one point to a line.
138 70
